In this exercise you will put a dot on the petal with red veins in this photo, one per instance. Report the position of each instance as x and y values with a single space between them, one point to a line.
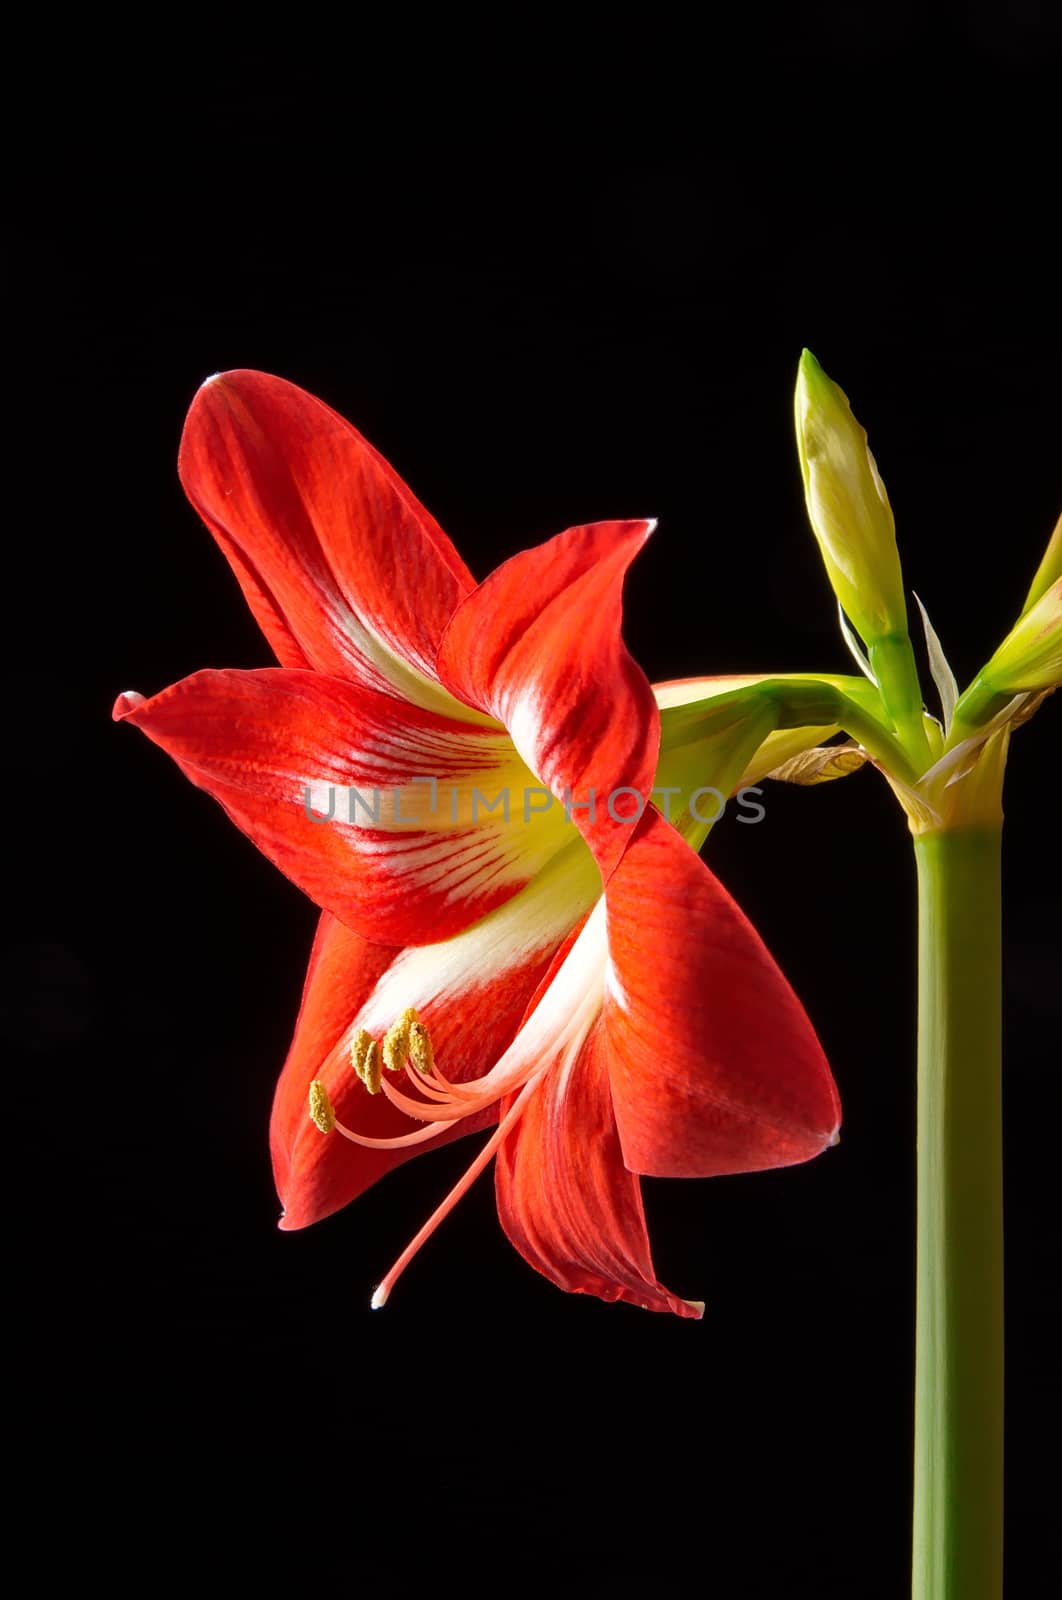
471 993
400 861
565 1198
713 1062
538 646
344 570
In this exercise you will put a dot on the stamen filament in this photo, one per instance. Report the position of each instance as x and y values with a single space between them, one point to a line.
421 1136
437 1077
448 1110
428 1086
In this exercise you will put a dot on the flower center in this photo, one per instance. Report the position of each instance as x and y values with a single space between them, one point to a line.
550 1039
407 1048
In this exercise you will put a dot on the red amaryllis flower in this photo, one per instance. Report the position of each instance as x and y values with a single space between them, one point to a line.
484 757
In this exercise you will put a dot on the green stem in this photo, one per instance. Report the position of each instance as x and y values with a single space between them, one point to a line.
958 1506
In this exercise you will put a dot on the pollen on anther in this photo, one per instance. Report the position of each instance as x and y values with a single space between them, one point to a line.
365 1059
396 1041
420 1051
321 1113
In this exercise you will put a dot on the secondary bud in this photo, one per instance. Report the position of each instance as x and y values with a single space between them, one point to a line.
1049 571
1030 657
848 507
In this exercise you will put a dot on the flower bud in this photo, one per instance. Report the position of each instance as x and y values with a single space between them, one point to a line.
848 507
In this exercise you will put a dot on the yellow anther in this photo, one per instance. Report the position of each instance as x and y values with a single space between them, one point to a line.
321 1114
365 1059
396 1041
420 1051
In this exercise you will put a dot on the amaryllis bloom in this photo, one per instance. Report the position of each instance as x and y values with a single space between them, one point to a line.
460 776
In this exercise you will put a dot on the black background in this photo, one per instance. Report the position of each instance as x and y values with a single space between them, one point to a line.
551 286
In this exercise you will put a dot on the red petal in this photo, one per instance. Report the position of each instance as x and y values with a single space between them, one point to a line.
471 992
342 974
713 1063
256 740
343 569
565 1198
538 646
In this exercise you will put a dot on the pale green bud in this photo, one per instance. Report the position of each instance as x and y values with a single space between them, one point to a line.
848 507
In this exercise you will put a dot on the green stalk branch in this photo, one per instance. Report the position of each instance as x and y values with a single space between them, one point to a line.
893 664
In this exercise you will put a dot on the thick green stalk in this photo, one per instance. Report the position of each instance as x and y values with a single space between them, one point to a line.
958 1507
